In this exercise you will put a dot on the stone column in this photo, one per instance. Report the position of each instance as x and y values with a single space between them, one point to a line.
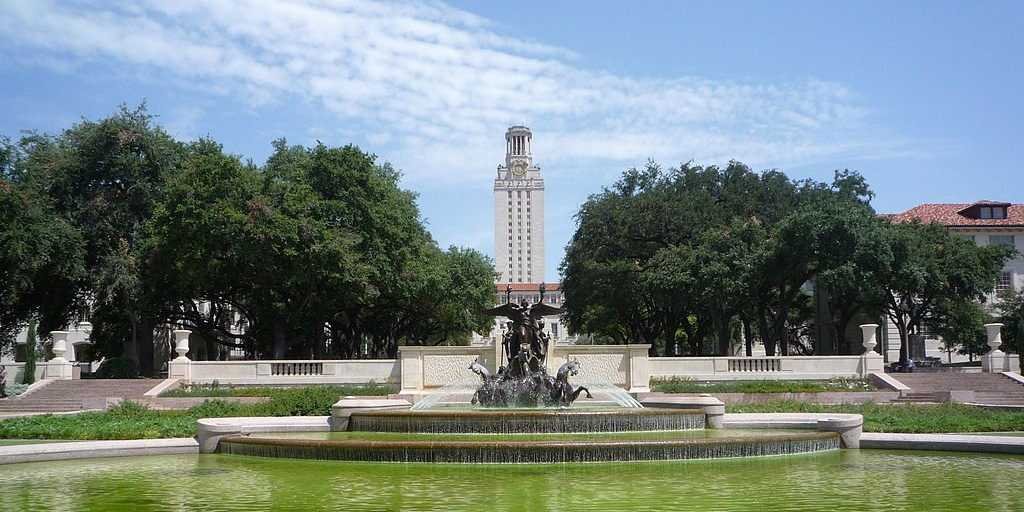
639 369
411 361
181 366
870 361
59 367
995 360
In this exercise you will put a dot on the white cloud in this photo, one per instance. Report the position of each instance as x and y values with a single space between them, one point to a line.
439 84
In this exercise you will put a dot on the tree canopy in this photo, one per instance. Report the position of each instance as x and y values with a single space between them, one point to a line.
319 252
685 259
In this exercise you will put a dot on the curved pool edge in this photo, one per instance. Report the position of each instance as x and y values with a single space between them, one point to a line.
506 451
53 451
97 449
943 442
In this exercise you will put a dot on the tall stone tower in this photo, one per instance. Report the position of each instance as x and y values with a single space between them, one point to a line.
519 212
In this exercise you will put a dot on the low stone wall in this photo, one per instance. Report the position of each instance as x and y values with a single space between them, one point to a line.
357 371
766 368
16 371
830 397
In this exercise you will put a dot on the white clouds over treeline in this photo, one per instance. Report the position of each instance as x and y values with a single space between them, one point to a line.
437 85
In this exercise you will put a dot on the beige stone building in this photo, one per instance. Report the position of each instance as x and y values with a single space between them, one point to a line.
984 223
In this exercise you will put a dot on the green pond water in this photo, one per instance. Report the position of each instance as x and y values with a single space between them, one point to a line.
845 480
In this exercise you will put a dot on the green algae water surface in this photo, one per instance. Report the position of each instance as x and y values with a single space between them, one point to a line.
846 480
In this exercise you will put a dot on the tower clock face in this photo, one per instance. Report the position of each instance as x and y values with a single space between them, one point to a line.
519 168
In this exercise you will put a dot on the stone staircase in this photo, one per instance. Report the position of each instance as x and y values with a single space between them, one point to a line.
76 395
919 397
987 388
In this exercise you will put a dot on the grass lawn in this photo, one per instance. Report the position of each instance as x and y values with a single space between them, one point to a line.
906 418
133 421
677 385
130 420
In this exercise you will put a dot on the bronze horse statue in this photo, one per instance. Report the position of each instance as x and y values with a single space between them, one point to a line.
562 392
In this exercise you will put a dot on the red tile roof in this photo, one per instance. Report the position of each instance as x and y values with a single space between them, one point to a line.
949 214
527 287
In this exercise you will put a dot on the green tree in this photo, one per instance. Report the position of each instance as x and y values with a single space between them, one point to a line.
41 263
317 253
930 268
30 354
961 324
103 178
1011 314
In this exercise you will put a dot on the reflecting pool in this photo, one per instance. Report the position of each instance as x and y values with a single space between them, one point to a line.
844 480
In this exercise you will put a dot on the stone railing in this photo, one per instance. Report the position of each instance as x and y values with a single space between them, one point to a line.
781 368
427 369
359 371
353 371
16 371
755 364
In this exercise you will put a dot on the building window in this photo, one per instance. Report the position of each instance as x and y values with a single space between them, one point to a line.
1006 240
986 212
1005 283
968 237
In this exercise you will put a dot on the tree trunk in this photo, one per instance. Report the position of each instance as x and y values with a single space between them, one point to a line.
724 336
748 337
766 337
280 339
901 327
130 350
144 344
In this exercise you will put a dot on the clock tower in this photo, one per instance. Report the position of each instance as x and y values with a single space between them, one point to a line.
519 212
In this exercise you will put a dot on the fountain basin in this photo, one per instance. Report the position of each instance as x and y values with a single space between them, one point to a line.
565 448
525 421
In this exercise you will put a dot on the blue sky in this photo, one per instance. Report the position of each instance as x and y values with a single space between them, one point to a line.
923 98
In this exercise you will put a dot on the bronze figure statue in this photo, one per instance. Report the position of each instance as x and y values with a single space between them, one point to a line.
524 381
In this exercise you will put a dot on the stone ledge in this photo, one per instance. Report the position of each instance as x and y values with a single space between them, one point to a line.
209 431
343 409
943 442
95 449
164 385
888 381
714 409
849 426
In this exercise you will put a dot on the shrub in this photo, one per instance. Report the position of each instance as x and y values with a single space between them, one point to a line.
128 409
118 368
216 409
30 355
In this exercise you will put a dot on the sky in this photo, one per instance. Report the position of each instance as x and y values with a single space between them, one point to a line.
922 98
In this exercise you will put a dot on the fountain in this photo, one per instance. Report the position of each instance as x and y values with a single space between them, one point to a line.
522 414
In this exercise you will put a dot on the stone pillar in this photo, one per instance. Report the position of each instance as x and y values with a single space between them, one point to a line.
411 361
639 369
995 360
870 361
181 366
59 367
